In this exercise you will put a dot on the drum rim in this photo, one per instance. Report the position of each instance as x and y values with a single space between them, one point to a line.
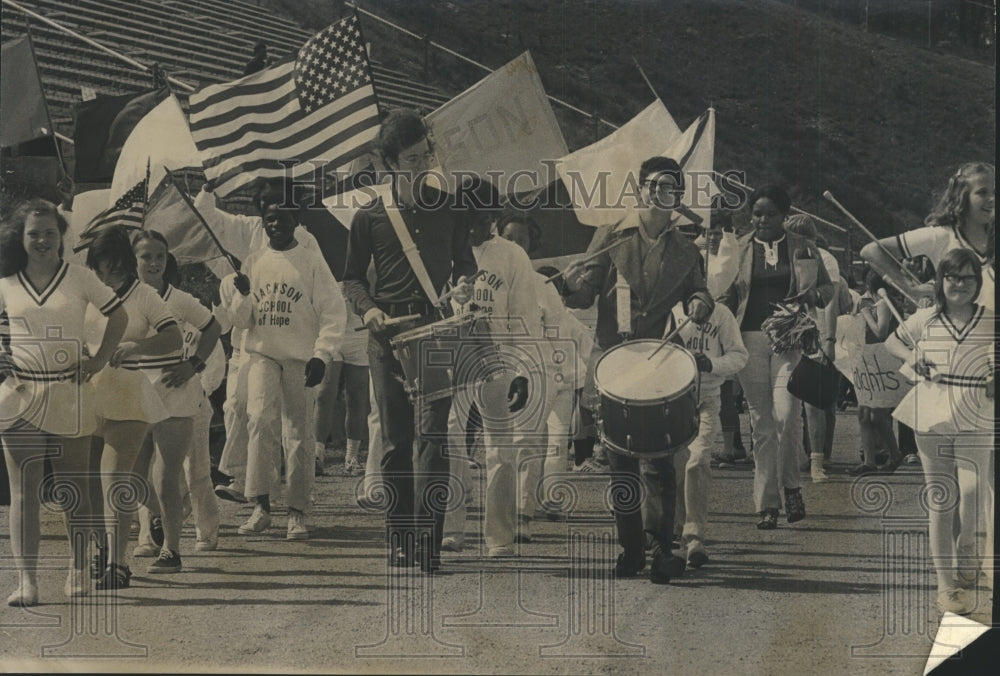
615 448
669 397
429 330
648 402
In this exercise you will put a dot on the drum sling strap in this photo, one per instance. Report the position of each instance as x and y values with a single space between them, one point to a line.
409 247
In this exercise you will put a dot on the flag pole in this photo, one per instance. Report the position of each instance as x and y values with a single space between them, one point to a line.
187 200
643 74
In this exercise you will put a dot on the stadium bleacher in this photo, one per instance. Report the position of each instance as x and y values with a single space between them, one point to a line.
198 42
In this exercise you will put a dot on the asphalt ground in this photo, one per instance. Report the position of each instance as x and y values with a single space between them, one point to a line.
850 589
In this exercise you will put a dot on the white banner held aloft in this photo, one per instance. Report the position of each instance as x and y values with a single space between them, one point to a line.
502 128
598 176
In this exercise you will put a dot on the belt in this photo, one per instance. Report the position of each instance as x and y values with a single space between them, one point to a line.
402 309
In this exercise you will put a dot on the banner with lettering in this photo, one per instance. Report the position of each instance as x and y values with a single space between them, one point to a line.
872 370
502 128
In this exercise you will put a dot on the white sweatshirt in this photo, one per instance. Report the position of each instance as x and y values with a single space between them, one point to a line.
721 342
295 309
505 290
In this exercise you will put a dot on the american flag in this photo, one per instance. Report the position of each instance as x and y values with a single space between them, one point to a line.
316 112
128 212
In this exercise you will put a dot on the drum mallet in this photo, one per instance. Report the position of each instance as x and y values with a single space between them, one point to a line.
392 321
669 337
833 200
586 259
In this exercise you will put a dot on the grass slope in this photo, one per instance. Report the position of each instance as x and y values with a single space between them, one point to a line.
800 99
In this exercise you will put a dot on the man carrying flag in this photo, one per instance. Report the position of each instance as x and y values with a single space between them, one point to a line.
297 117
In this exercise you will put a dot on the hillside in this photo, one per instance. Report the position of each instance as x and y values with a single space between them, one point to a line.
800 99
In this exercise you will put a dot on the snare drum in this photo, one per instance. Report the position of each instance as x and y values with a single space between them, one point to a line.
648 407
438 358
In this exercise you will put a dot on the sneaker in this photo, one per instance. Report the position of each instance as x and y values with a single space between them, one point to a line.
156 531
296 526
25 596
258 522
724 460
498 552
76 583
232 492
912 459
954 601
146 551
591 465
696 556
116 576
206 544
352 467
168 561
768 520
817 471
451 544
795 506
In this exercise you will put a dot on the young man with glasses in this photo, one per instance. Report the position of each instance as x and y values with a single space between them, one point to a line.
655 268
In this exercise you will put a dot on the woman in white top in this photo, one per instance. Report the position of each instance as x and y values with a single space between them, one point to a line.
45 396
964 218
127 399
951 347
181 391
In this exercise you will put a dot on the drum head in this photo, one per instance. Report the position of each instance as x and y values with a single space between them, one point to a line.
624 372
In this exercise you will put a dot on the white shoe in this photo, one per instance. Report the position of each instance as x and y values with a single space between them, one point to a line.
258 522
232 492
77 583
955 600
352 467
24 596
148 550
451 544
499 552
296 526
207 544
817 471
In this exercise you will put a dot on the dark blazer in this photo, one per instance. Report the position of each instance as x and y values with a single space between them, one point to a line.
681 279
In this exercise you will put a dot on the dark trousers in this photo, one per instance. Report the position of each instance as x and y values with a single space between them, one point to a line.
414 466
642 496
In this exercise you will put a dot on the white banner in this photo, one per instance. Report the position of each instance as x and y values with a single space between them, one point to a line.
502 128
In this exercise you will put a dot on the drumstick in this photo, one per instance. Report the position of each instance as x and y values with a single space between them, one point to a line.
668 337
392 321
587 259
833 200
445 296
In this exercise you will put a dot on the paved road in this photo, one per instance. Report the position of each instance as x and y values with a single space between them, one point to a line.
847 590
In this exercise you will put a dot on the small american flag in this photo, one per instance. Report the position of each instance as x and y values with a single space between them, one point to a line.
316 112
128 212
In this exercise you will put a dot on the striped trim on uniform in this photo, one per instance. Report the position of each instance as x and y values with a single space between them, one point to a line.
41 296
143 363
44 376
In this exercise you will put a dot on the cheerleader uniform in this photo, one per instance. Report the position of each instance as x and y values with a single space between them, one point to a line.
131 391
937 240
47 329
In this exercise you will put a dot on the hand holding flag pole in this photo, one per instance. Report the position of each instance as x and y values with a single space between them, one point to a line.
585 259
187 200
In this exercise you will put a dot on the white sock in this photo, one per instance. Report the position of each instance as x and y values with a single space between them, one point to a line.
353 447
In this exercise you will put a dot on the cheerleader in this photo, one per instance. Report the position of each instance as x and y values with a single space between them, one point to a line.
127 398
950 347
45 395
964 218
172 439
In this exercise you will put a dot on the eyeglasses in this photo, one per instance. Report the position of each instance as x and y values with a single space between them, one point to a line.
961 279
664 186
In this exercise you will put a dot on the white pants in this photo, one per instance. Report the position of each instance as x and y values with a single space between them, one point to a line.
775 414
198 474
559 422
515 447
234 454
960 470
694 474
279 409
